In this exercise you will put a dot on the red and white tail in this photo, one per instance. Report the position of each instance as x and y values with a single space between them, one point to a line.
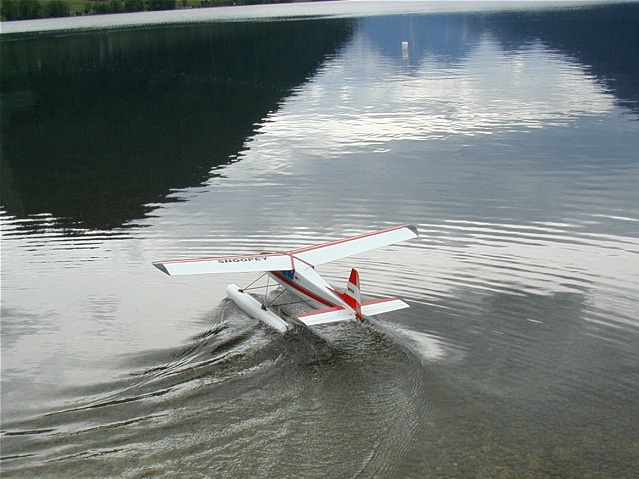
352 296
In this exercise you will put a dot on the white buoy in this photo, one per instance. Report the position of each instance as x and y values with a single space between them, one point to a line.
254 309
404 49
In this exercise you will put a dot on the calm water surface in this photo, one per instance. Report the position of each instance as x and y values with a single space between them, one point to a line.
509 137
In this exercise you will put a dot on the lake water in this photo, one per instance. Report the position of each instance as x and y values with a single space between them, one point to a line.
508 134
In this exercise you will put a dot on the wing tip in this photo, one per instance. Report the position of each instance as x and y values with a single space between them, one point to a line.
413 228
161 267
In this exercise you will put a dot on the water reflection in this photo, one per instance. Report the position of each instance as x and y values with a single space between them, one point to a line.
99 127
446 39
601 39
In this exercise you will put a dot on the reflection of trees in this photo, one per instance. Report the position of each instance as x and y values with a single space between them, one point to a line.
603 38
96 126
448 38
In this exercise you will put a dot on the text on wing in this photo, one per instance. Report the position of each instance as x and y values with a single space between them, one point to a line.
239 260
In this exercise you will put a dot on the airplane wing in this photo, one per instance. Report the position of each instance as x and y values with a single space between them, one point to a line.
227 264
313 255
334 250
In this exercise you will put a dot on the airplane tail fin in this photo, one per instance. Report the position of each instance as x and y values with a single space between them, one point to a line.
352 296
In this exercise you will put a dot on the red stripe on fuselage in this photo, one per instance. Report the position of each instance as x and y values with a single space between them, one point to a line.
304 291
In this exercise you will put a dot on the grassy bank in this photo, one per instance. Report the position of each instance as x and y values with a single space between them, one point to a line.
28 9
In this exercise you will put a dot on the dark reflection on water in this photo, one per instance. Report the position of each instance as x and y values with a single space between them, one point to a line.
602 38
98 126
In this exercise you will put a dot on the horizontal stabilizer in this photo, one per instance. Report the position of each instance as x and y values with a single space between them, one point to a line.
330 315
339 313
379 306
226 264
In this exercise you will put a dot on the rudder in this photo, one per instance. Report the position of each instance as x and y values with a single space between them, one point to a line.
352 295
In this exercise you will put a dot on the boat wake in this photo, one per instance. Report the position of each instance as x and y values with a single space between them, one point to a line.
242 399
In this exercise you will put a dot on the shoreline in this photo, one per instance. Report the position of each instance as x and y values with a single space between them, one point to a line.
16 10
276 11
149 18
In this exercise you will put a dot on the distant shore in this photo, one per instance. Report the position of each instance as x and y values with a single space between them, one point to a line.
247 11
11 10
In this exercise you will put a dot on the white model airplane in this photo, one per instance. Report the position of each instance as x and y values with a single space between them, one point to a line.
295 271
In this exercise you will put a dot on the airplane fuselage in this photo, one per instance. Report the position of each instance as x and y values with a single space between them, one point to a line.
308 285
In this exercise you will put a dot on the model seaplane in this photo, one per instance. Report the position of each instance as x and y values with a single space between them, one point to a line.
295 272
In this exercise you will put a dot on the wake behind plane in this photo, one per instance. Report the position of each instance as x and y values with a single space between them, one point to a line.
295 271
